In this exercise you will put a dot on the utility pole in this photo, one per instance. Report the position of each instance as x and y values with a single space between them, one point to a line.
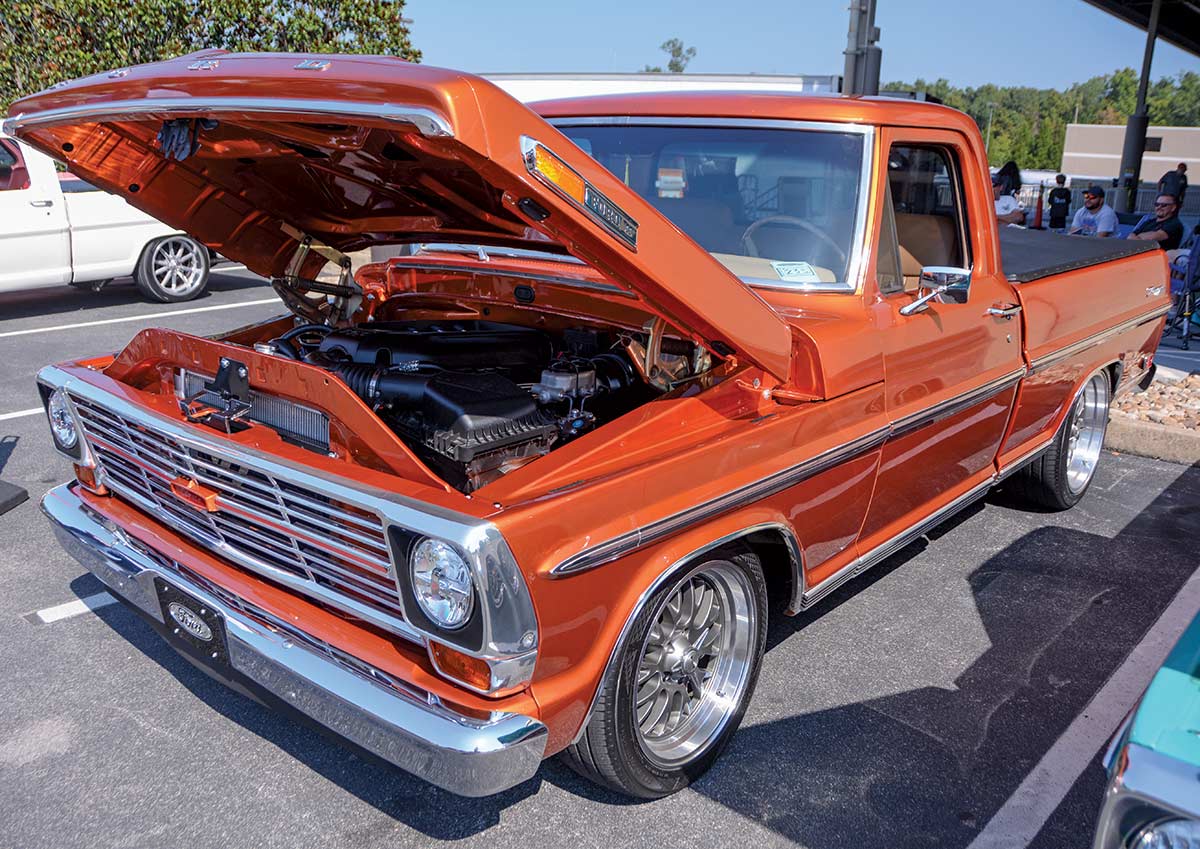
1136 126
863 57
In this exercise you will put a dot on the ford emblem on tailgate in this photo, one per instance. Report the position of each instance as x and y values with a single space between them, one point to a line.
190 621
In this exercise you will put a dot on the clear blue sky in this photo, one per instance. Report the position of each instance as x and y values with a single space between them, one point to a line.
1012 43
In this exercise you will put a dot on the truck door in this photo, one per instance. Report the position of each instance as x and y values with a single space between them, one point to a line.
950 369
34 239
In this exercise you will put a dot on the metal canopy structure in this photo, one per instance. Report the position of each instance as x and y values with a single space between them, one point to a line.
1174 21
1178 20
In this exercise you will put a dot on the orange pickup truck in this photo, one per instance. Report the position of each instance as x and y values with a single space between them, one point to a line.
645 364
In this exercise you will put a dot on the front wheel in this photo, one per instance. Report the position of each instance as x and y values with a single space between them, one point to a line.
1061 475
681 684
173 269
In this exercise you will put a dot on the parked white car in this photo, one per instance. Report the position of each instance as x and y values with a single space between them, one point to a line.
57 229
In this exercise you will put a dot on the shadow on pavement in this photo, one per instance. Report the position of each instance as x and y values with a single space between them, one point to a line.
57 300
930 766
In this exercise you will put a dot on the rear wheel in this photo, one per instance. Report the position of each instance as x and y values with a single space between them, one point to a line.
1061 475
173 269
681 684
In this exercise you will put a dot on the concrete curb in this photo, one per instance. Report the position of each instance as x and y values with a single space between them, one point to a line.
1148 439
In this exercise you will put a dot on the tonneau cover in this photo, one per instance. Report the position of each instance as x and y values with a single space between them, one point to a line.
1028 255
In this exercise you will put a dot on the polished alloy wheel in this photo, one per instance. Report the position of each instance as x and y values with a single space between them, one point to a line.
695 663
177 266
1086 435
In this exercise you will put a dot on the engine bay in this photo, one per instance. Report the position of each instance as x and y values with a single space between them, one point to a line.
475 399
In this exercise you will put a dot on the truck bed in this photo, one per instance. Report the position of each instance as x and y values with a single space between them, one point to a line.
1028 255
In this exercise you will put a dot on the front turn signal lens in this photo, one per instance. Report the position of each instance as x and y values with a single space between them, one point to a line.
86 475
472 671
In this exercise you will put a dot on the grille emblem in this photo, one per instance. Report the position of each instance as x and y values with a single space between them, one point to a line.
195 495
190 621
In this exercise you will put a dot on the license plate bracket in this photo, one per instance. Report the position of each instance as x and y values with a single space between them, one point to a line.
193 623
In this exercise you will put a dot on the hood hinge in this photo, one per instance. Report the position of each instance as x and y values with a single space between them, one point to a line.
295 290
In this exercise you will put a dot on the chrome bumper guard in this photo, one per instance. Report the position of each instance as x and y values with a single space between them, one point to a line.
465 755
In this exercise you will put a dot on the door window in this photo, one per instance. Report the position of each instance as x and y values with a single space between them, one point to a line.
926 199
12 170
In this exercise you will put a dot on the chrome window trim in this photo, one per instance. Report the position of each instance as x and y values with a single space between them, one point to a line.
427 122
856 267
509 620
1046 360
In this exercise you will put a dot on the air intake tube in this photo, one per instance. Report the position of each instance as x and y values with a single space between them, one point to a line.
387 386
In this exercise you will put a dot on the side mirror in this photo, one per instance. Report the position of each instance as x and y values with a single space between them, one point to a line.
946 284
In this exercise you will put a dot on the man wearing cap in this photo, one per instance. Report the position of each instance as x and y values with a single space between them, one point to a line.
1095 217
1008 209
1163 226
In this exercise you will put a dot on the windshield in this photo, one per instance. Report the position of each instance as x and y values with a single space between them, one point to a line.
775 206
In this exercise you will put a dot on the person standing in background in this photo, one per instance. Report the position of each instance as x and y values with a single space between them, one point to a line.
1174 183
1059 201
1095 218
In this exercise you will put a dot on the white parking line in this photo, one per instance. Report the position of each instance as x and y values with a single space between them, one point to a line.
32 411
1026 811
74 608
146 317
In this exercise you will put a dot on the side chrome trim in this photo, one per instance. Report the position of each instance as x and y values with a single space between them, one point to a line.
886 549
1045 361
1016 465
619 546
626 543
949 407
394 720
426 121
508 614
671 571
858 260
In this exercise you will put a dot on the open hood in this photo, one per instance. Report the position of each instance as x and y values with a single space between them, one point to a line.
249 152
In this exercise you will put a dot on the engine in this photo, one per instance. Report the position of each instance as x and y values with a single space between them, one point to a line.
476 399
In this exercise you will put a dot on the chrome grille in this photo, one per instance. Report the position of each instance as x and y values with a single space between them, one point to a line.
333 551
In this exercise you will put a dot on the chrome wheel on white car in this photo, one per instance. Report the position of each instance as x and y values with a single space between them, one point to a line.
172 269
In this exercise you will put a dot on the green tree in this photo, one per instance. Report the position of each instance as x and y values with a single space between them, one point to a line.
1029 125
679 56
47 41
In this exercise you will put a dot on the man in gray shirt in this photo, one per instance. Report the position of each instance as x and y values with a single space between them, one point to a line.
1095 217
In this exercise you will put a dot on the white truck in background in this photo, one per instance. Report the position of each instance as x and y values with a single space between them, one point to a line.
56 229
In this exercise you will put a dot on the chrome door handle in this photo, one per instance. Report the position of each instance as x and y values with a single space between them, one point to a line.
41 204
1153 291
1006 311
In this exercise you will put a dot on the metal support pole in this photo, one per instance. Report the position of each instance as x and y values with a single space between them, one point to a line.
863 57
1136 126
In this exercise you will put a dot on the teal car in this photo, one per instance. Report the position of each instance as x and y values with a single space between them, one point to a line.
1153 795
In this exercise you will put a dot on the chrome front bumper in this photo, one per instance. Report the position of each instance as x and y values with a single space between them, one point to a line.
414 731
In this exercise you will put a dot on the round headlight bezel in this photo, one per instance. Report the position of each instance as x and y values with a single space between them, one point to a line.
1166 832
442 583
63 427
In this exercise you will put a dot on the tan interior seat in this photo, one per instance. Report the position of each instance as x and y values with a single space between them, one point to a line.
924 240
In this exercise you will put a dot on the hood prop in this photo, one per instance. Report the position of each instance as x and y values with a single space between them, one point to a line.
295 291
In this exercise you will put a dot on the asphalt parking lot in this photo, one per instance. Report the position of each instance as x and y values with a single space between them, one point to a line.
960 694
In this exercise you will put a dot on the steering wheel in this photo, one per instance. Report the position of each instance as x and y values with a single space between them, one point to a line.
790 221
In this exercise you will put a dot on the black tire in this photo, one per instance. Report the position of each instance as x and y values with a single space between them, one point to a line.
1050 480
610 751
172 269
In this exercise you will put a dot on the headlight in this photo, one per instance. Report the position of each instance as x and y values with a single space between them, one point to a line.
1173 834
441 582
62 422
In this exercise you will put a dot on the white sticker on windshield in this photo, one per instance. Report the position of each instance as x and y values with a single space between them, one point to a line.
796 272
